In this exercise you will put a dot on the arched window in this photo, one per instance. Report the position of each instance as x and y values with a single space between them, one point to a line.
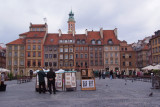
110 41
93 41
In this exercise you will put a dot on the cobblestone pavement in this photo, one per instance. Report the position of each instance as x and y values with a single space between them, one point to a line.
109 93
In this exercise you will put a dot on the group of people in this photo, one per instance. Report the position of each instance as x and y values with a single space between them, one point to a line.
51 81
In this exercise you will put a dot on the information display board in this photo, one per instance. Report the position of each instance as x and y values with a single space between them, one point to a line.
88 84
70 80
59 80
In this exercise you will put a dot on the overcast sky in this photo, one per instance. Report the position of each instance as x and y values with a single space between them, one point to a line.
135 19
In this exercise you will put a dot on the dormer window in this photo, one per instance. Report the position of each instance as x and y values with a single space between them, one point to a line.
37 29
110 41
33 29
60 41
51 40
93 42
99 42
70 41
41 29
66 41
78 41
83 41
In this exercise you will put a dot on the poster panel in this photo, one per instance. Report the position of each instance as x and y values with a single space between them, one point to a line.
73 79
59 80
88 83
67 78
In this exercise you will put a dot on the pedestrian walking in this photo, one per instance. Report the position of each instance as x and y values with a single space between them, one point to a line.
41 75
31 74
51 81
111 74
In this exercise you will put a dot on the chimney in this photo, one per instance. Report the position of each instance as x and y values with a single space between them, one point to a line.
60 33
86 32
115 32
101 32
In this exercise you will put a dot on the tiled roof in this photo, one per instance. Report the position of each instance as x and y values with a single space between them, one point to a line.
36 34
18 41
49 38
80 36
145 47
37 25
109 34
24 33
93 35
66 37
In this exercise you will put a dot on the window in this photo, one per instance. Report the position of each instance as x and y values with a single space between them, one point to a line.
34 54
39 54
100 54
55 49
78 41
51 40
122 49
50 48
93 42
83 41
115 47
111 54
123 63
100 49
66 56
106 48
46 56
29 47
99 42
91 49
70 49
100 62
106 54
81 55
85 55
66 50
22 48
54 64
91 62
66 64
21 62
106 61
159 48
34 41
50 64
34 47
156 49
95 49
22 54
60 41
76 55
61 64
155 41
70 41
91 55
28 63
65 41
76 48
96 62
130 63
110 41
10 62
15 54
29 41
125 49
70 56
61 56
46 64
34 63
39 63
54 55
39 47
61 49
123 56
81 48
111 60
39 41
110 48
116 61
130 55
81 64
29 54
77 64
86 64
85 48
159 40
50 55
116 55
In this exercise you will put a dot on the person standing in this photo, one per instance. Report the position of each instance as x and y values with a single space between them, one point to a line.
41 75
111 74
31 74
99 74
51 81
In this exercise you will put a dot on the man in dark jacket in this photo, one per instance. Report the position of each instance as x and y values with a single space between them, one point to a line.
51 80
41 75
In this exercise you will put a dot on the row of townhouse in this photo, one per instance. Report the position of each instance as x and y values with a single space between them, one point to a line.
99 50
